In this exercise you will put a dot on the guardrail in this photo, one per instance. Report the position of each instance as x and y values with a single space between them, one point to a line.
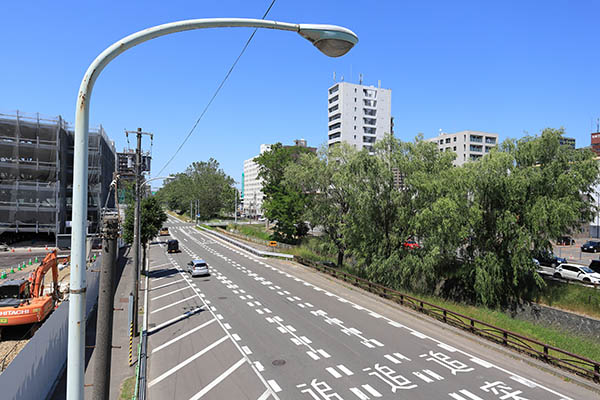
578 364
245 246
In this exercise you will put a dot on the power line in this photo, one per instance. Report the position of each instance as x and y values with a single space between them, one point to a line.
216 91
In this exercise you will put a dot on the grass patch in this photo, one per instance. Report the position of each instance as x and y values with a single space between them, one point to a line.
572 297
127 388
557 338
205 226
258 231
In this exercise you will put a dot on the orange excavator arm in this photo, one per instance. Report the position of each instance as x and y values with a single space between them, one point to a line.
49 262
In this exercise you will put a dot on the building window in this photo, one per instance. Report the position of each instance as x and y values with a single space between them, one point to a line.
476 138
455 138
354 109
355 99
370 93
333 99
447 140
442 141
334 89
355 117
370 121
369 131
334 117
370 103
368 139
476 148
335 126
354 127
369 112
488 148
490 140
454 148
354 90
355 135
332 109
334 136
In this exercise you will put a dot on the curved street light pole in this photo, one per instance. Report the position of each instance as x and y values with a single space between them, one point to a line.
333 41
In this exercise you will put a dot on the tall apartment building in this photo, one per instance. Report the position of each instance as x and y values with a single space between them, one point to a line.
468 145
358 115
36 174
252 194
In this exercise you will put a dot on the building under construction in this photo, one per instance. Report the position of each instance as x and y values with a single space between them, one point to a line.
36 175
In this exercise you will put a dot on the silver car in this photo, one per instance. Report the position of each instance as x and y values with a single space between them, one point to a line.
198 268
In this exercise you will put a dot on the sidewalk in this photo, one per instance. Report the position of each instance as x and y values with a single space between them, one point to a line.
120 369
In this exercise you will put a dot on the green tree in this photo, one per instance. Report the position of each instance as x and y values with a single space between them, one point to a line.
204 182
152 218
282 203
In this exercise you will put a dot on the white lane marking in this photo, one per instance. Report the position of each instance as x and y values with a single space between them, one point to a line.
227 326
186 362
466 393
370 389
433 374
170 342
153 267
523 381
305 339
313 355
333 372
173 320
423 377
236 337
418 334
172 304
359 394
345 370
323 353
218 380
447 347
259 366
168 294
167 284
481 362
246 350
276 388
392 359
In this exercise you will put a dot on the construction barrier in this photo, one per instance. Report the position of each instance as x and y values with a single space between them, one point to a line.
34 373
131 344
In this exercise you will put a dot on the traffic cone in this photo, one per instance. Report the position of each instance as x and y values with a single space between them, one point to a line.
30 261
36 260
46 247
29 250
3 276
13 250
12 270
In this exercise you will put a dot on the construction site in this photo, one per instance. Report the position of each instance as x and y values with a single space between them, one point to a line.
36 175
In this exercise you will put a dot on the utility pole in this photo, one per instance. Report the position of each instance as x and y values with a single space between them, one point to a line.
235 193
136 226
106 297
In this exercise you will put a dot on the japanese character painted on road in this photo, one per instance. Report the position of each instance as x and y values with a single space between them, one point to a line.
386 374
499 387
321 388
446 361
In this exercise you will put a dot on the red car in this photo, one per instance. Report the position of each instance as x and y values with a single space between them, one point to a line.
411 244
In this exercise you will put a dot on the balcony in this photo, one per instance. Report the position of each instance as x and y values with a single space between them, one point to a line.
370 131
476 139
476 148
370 103
334 89
334 99
490 140
335 135
370 121
334 108
371 113
335 126
334 117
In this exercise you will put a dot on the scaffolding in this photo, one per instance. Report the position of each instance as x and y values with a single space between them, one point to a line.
36 174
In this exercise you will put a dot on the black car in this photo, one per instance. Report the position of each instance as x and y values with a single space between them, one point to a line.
565 240
548 259
172 246
591 246
595 266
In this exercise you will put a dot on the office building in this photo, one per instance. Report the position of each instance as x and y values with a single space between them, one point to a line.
468 145
36 174
358 115
567 141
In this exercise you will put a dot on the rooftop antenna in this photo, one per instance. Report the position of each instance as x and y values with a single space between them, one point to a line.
597 124
441 131
342 78
379 84
360 79
334 76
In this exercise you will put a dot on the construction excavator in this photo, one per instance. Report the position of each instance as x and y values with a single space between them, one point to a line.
23 302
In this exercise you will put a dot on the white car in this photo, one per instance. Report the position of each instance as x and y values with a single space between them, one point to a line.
577 273
198 268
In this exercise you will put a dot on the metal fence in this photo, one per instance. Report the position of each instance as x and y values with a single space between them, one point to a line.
578 364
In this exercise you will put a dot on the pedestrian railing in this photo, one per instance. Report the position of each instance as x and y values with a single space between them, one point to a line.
575 363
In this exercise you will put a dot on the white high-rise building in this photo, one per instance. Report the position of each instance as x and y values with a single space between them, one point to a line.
468 145
358 115
253 195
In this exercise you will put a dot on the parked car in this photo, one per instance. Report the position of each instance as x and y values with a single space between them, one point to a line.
4 247
172 246
548 259
595 266
591 246
198 268
577 273
565 240
411 244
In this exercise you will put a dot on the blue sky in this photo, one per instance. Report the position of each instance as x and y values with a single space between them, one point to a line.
510 67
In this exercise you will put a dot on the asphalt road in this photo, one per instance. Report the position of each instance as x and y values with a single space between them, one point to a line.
262 328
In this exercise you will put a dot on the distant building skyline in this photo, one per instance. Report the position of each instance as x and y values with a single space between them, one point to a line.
467 145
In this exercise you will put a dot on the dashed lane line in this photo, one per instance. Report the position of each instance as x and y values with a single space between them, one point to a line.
170 342
218 380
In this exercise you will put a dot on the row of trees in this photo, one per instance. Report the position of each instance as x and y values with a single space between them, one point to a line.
476 224
203 182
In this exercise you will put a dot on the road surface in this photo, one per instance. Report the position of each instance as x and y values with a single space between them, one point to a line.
269 329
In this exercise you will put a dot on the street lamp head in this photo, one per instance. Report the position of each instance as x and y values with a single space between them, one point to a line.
331 40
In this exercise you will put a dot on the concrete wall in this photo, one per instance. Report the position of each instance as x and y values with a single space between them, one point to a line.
566 321
34 372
